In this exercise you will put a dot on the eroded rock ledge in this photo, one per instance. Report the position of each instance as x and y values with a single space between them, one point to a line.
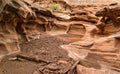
22 20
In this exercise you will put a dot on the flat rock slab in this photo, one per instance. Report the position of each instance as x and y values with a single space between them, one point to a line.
85 70
75 52
85 43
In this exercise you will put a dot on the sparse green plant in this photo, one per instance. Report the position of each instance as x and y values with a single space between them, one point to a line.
54 6
66 12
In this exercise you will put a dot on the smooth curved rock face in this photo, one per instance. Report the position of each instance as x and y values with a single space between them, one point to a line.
8 39
107 44
91 30
104 44
74 52
85 70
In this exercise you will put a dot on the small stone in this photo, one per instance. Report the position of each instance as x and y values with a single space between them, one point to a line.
52 67
62 62
12 58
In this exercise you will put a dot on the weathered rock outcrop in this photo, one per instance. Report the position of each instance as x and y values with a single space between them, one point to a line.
8 36
9 42
96 55
109 15
83 15
18 22
25 21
